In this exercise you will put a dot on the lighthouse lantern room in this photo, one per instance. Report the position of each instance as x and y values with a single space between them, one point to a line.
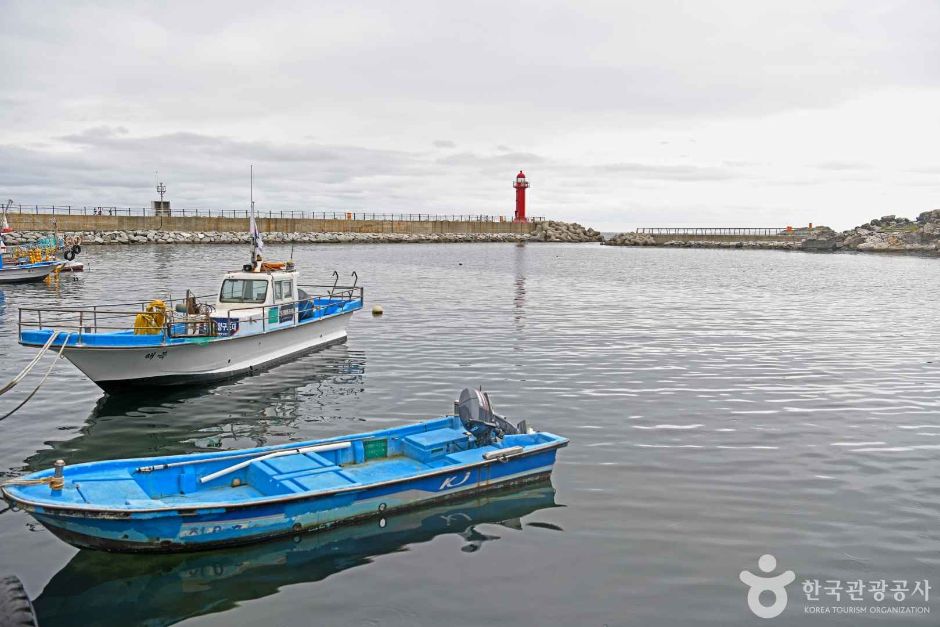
520 185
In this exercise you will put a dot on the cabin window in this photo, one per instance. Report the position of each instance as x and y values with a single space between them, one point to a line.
283 290
243 291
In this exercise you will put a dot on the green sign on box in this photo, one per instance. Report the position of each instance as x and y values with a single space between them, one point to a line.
273 315
375 449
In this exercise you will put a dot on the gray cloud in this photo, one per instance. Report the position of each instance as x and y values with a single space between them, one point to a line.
344 104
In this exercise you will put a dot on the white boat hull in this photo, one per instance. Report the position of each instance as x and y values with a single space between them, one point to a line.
29 274
118 368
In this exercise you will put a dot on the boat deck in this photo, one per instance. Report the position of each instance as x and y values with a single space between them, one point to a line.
127 338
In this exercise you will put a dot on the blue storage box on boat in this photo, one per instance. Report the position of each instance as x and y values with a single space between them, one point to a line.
304 310
435 444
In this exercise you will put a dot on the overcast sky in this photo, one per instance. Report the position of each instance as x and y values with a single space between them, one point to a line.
622 114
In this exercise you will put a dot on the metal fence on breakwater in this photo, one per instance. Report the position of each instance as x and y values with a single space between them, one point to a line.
665 234
291 214
724 231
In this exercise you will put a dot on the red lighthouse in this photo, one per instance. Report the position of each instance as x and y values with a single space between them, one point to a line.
520 184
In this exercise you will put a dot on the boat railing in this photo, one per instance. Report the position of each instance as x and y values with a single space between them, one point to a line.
332 293
145 319
98 318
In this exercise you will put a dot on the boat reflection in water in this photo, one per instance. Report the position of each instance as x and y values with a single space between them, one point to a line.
234 414
101 588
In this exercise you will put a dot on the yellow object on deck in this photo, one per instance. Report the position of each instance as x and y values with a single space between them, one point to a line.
151 320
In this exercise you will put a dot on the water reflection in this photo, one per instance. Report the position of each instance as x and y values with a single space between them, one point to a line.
250 411
112 589
519 264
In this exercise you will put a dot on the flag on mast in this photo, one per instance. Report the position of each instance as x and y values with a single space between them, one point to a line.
256 240
257 244
5 226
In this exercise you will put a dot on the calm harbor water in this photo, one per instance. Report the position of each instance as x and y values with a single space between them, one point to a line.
721 405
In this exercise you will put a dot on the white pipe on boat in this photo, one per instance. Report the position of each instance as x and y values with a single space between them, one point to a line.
503 453
319 448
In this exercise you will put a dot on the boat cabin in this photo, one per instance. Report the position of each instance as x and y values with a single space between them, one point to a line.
244 294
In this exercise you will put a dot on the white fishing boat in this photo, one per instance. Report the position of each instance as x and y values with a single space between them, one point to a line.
260 315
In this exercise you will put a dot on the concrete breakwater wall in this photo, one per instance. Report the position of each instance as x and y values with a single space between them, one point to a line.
547 232
26 222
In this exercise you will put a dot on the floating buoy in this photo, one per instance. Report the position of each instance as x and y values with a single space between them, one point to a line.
377 310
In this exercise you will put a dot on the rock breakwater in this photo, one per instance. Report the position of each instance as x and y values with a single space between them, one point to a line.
550 231
645 239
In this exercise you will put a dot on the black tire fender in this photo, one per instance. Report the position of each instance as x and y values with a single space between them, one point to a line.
69 255
76 249
15 607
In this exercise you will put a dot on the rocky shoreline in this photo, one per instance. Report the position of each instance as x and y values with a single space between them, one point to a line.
550 231
889 234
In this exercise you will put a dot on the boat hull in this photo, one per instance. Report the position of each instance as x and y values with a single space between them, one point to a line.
32 273
119 369
147 591
237 525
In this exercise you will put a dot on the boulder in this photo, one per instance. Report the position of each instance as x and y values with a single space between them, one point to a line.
819 245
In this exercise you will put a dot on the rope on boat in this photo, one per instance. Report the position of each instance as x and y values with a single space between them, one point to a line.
56 481
23 481
25 371
151 320
41 381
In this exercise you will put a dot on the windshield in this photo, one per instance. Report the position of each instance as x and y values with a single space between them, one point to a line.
243 291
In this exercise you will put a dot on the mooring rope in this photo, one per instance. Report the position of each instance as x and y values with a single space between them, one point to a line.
25 371
43 380
23 481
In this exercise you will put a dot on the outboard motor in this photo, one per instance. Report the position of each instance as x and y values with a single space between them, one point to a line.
477 415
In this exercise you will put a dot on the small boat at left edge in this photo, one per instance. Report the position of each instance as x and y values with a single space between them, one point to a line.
34 262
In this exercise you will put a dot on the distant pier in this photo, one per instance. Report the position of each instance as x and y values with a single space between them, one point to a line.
662 235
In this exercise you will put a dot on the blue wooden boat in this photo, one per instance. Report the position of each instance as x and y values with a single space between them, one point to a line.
207 500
